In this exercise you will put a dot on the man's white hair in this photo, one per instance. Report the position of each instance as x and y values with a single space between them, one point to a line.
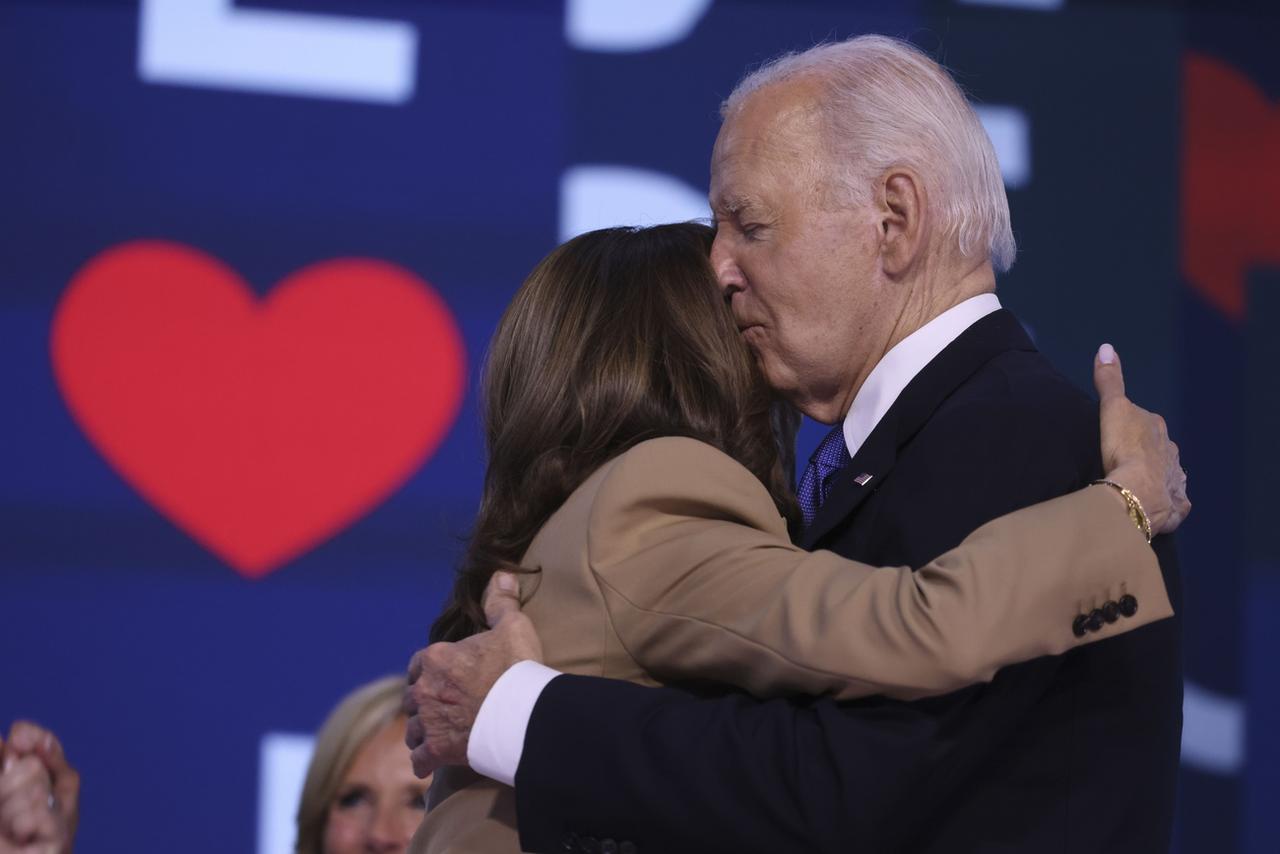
885 104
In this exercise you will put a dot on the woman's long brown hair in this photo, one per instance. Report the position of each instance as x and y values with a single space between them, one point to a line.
618 336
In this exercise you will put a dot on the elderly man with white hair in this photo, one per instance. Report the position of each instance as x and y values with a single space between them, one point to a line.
861 221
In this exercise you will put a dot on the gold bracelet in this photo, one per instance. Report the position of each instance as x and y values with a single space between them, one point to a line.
1136 514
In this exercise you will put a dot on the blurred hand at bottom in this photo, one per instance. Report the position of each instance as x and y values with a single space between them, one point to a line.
39 793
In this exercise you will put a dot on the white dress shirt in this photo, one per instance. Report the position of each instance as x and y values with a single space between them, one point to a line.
497 737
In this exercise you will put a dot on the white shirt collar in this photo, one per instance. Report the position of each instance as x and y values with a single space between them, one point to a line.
900 365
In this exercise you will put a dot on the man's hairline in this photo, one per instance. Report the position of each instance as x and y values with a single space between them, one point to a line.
824 169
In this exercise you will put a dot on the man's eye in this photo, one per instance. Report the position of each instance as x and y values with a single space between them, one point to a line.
751 232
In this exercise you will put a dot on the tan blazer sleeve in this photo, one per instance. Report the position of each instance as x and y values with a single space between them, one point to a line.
701 583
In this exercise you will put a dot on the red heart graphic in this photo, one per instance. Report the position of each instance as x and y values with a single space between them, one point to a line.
259 427
1230 181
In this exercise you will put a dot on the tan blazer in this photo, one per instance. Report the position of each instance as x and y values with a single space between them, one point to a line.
671 563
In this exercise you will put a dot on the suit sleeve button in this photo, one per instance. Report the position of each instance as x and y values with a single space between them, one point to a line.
1077 626
589 845
1111 612
1128 604
608 846
1095 620
569 842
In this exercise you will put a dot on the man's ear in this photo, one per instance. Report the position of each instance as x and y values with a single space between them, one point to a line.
902 209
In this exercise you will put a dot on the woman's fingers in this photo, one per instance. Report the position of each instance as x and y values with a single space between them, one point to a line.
1108 376
1136 449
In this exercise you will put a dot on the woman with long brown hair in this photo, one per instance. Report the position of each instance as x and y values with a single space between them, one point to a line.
638 482
617 337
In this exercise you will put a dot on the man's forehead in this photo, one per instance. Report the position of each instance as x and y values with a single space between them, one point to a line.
776 126
778 112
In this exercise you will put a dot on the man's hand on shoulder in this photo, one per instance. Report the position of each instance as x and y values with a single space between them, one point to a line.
448 682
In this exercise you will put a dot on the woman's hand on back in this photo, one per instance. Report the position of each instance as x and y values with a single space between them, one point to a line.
1137 452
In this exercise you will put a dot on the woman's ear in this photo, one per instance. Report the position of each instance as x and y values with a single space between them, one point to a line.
902 209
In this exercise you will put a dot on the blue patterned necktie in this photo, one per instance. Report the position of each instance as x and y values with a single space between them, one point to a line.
829 458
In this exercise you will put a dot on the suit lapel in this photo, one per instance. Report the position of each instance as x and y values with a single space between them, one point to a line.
875 458
992 335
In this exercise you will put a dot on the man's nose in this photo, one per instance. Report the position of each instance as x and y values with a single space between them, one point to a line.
726 269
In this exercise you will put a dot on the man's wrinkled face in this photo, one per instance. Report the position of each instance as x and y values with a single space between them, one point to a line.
797 263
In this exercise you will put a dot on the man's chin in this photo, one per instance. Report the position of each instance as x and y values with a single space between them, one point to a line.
778 382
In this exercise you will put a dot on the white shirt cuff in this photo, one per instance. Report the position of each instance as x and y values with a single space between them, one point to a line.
497 737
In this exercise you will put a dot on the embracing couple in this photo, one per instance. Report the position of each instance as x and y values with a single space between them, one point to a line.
681 653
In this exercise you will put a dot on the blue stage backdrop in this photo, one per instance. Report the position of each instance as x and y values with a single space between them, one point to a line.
251 252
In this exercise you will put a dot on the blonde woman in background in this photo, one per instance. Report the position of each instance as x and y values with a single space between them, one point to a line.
360 794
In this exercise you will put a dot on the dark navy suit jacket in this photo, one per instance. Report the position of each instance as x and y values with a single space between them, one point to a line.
1065 754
